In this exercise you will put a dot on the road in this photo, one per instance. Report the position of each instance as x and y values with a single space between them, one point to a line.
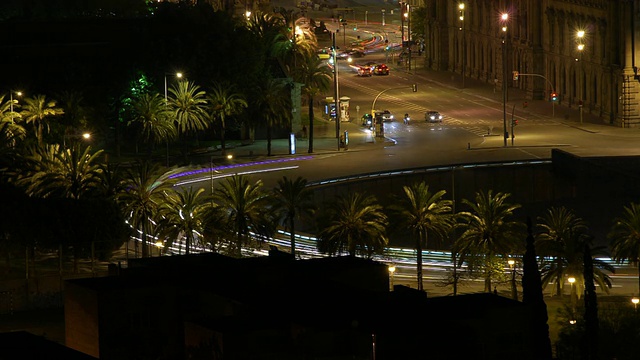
471 132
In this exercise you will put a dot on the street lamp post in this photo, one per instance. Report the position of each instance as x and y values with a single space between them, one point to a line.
579 37
407 16
464 45
574 299
635 301
335 90
19 93
392 271
504 19
383 11
514 289
166 102
402 16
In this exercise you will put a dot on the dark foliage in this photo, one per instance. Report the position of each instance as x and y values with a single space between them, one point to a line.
532 296
590 339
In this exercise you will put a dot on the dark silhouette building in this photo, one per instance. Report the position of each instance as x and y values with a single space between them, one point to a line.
209 306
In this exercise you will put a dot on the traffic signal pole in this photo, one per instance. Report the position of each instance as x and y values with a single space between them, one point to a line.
553 102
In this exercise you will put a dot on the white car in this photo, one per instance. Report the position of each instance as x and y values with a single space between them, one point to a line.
433 116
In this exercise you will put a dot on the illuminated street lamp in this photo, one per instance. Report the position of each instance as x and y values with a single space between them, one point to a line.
580 47
574 299
85 135
504 18
166 101
392 270
514 289
178 75
635 302
18 93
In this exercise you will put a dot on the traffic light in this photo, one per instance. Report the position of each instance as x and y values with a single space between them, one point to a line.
414 87
514 122
554 97
515 75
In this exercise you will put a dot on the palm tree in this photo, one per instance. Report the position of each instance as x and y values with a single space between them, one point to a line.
293 200
488 231
424 212
274 103
10 130
75 113
146 187
188 104
68 173
558 228
153 119
224 102
354 223
564 237
37 110
183 215
625 237
316 78
245 209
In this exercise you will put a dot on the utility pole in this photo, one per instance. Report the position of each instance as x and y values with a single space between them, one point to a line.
335 90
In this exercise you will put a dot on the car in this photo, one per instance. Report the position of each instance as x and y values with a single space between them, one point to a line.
387 116
367 120
364 71
356 53
433 116
381 69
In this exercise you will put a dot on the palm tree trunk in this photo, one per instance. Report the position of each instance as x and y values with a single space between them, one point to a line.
188 244
222 142
269 139
559 277
310 124
145 250
487 281
293 237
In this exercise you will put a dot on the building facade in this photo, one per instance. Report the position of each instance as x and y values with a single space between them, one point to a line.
582 50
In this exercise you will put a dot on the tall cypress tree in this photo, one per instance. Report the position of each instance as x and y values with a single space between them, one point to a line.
532 296
590 337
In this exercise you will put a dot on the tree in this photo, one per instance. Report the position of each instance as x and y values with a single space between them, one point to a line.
558 228
188 104
66 173
354 223
293 201
274 105
146 188
625 237
153 120
424 213
10 130
245 210
532 295
36 111
488 231
564 237
590 340
224 102
182 215
316 78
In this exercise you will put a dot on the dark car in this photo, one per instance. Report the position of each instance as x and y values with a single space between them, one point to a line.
433 116
381 69
364 71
